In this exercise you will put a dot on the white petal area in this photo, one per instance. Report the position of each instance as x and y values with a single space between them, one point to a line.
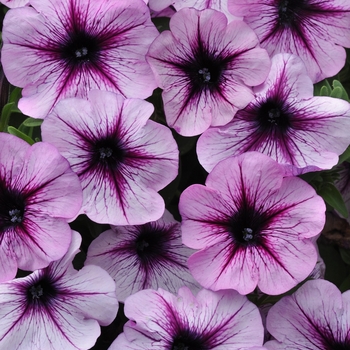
219 5
226 316
136 338
49 183
12 155
205 215
40 241
314 314
287 78
189 26
296 207
116 251
252 178
8 263
23 329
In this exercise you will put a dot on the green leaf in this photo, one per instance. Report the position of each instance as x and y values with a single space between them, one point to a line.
31 122
15 95
332 196
338 85
13 131
5 115
325 91
345 255
337 93
344 156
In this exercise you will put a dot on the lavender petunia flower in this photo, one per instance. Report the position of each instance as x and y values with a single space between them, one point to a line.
64 48
121 157
222 320
39 193
57 307
206 68
252 226
312 29
285 122
146 256
315 317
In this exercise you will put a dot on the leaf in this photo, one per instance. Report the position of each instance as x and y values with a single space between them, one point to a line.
31 122
325 91
15 95
345 255
332 196
338 85
13 131
5 115
345 285
344 156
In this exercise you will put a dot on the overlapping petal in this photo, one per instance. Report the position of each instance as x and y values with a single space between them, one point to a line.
315 317
284 122
313 30
221 320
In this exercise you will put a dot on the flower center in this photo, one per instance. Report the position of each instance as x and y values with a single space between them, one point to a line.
41 292
12 207
188 340
273 114
205 74
108 153
288 11
246 224
151 241
80 47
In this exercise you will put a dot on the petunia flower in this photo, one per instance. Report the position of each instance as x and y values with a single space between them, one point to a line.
57 307
63 48
159 320
121 157
145 256
252 226
311 29
285 122
206 68
39 194
315 317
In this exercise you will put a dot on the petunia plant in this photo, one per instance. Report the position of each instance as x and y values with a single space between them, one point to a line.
174 174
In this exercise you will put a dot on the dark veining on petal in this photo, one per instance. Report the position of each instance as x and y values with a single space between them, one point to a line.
41 292
79 48
189 340
107 153
12 207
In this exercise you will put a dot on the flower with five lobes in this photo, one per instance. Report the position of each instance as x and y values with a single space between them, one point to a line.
64 48
39 194
314 30
315 317
57 307
144 256
253 227
159 320
121 157
206 69
284 121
